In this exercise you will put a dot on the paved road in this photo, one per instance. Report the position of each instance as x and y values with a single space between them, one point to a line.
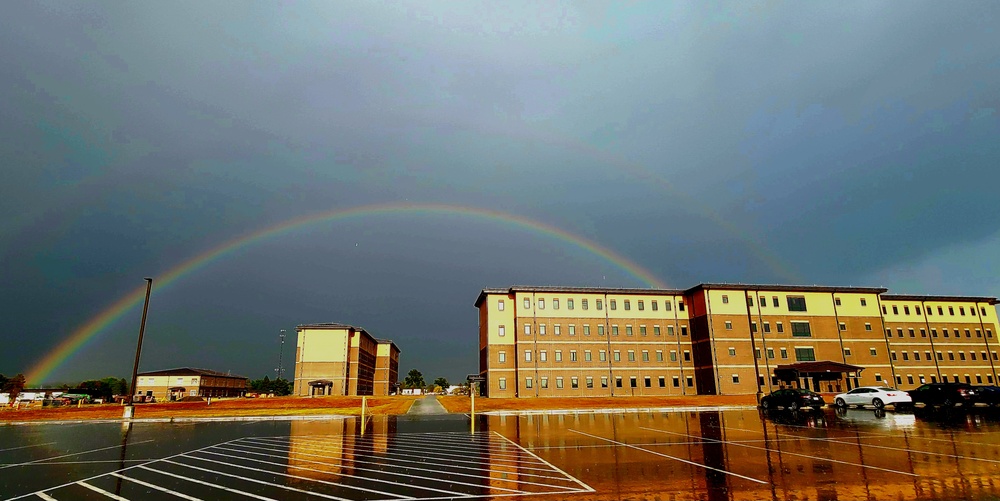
427 406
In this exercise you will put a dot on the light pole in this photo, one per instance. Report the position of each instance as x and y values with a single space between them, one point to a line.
281 349
129 408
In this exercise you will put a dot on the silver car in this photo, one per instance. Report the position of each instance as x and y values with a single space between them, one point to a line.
877 396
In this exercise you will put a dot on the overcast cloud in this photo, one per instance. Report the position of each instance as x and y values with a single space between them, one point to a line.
750 142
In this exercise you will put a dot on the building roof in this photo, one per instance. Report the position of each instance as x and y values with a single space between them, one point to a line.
786 288
189 371
328 325
388 342
576 290
958 299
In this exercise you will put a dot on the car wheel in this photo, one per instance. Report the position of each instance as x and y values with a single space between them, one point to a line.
840 403
794 406
877 402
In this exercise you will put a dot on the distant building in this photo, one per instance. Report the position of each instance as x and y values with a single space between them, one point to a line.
728 339
340 359
174 384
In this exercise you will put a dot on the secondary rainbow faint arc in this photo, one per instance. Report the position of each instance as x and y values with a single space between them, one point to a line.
116 310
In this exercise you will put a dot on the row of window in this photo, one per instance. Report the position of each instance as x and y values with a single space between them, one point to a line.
588 381
951 355
803 354
934 332
599 304
944 379
800 328
588 356
571 330
930 310
795 303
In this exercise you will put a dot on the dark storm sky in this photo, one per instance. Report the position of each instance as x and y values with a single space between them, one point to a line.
803 143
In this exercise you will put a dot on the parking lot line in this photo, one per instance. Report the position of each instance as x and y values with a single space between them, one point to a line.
157 487
45 496
670 457
254 480
209 484
26 447
366 454
808 456
554 467
512 456
11 465
102 491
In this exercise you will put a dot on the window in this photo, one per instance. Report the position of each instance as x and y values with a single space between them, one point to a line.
690 381
541 303
617 356
868 327
684 330
663 382
883 310
558 355
680 305
934 332
572 330
502 382
618 381
729 325
899 330
774 301
499 305
687 356
767 326
753 326
895 310
673 356
961 355
847 352
628 305
750 301
604 381
923 332
951 355
632 382
909 378
805 355
659 355
677 382
873 352
967 333
642 306
670 330
585 304
559 382
912 333
590 382
906 310
770 353
574 382
763 302
836 301
979 333
951 311
784 353
603 355
600 304
631 355
556 329
796 303
654 304
940 356
586 330
614 330
878 377
732 351
961 310
614 304
555 304
756 353
843 326
572 355
916 310
647 382
541 329
628 330
801 329
916 355
545 381
528 383
781 328
645 355
527 329
543 356
569 304
667 305
725 299
642 330
940 310
864 302
501 331
736 379
502 357
600 330
587 356
527 303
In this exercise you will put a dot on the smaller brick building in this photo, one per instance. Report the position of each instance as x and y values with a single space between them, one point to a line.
174 384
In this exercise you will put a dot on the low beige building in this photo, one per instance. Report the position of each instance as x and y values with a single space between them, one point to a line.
341 359
174 384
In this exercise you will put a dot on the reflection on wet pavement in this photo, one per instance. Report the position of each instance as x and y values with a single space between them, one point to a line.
727 455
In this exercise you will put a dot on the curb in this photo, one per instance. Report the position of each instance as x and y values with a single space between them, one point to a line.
314 417
700 408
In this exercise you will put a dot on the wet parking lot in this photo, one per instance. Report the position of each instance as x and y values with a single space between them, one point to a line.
739 454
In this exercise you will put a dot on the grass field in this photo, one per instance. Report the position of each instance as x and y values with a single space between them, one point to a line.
461 404
278 406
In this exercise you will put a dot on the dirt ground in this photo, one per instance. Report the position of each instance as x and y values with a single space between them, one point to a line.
461 404
277 406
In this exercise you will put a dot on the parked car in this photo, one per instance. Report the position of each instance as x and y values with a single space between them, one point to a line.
989 395
877 396
944 394
792 399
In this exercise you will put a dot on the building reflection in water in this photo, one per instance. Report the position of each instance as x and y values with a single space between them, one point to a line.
804 456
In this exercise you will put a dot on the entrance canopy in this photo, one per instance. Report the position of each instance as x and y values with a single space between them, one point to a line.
321 382
176 388
820 369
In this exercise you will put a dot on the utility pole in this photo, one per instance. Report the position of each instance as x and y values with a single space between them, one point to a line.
281 349
129 409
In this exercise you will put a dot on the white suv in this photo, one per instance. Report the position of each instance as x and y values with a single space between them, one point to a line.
878 396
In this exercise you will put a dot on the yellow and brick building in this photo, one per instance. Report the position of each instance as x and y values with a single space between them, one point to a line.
340 359
175 384
727 339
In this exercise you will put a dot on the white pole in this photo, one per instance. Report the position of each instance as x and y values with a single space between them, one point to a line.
472 414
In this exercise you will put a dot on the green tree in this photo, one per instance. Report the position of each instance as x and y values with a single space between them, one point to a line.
442 382
414 379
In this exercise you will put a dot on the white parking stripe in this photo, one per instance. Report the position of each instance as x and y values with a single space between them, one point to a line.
45 496
102 491
11 465
430 449
254 480
515 444
386 459
669 457
26 447
157 487
785 452
202 482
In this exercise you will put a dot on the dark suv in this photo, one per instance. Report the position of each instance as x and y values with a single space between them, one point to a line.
944 394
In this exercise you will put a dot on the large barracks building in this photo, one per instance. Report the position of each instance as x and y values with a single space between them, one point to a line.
726 339
340 359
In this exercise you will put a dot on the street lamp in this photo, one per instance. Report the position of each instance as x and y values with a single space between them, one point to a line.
129 408
281 350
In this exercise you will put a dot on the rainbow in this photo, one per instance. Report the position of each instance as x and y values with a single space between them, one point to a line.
111 314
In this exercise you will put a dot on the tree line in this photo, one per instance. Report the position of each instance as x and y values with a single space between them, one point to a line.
415 379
